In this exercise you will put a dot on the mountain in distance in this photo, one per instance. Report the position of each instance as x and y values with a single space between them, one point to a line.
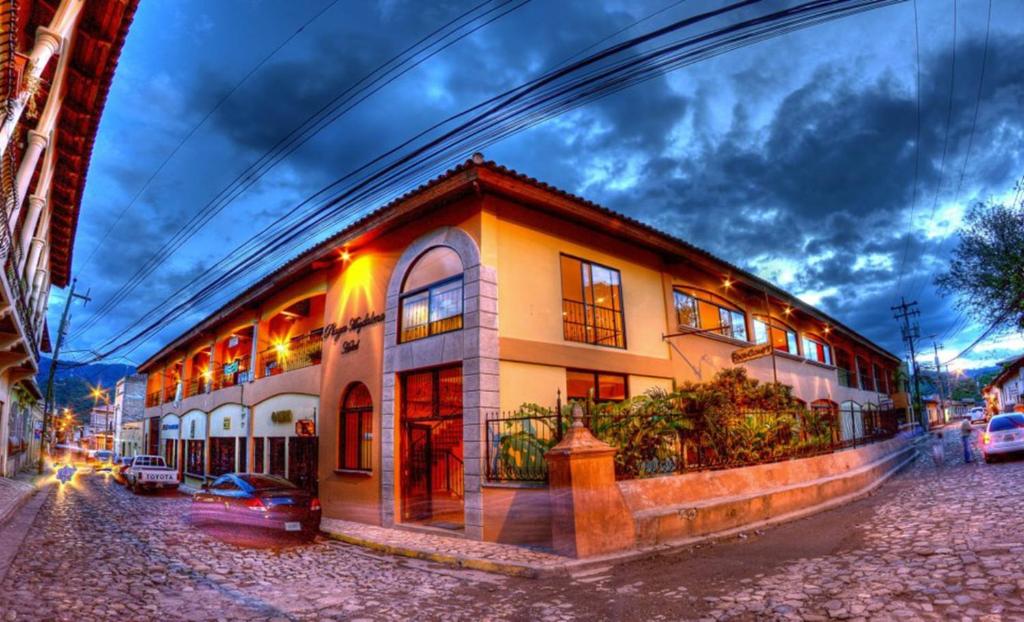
72 383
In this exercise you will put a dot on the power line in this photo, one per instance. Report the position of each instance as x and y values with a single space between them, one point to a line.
312 125
195 128
521 107
916 152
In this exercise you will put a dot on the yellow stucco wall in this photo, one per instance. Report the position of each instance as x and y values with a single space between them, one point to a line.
523 383
530 290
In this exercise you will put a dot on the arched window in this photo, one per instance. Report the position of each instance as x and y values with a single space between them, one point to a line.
706 311
783 337
355 430
431 301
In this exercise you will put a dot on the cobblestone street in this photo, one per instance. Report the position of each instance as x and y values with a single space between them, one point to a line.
929 544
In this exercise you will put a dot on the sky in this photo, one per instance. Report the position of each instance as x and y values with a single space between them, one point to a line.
792 157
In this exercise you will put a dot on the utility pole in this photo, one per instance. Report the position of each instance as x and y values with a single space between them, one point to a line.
48 400
903 313
940 381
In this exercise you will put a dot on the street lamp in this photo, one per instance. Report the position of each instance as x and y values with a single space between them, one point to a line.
98 393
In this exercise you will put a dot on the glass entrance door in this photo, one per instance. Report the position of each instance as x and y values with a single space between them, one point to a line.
432 458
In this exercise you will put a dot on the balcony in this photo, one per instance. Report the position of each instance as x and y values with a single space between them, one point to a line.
296 353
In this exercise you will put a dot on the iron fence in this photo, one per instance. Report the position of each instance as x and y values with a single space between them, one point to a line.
668 443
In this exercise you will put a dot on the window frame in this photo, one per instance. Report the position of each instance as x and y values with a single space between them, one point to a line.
429 290
596 374
622 302
776 324
694 294
818 341
360 412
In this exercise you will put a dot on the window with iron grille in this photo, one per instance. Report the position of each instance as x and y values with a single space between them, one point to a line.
592 303
355 430
431 301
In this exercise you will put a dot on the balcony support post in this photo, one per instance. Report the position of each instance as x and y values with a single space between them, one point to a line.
254 349
212 368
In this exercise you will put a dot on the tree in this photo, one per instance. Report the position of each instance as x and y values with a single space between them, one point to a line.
986 272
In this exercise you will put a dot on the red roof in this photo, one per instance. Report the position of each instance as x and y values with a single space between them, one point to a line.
101 32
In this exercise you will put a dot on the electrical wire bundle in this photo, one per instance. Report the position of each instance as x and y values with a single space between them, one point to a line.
407 165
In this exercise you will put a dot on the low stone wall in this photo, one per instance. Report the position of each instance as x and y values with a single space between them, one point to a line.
712 502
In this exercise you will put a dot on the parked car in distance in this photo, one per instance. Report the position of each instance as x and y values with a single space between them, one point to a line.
121 464
977 414
150 473
256 500
103 460
1003 435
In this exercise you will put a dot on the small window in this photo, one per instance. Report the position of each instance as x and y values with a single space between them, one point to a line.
602 387
592 303
431 301
355 430
706 311
783 338
817 350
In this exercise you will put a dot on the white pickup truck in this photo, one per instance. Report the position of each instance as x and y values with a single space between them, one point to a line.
149 473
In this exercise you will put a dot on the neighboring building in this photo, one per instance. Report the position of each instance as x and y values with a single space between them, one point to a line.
24 432
129 408
388 345
1006 391
99 431
57 59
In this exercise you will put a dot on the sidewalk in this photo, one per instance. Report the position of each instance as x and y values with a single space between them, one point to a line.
15 492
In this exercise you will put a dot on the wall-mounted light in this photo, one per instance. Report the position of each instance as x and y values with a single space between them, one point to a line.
345 255
727 283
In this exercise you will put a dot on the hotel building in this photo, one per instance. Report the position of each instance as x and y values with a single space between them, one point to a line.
367 365
57 59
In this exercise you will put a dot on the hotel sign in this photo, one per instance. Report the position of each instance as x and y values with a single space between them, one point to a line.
744 355
355 325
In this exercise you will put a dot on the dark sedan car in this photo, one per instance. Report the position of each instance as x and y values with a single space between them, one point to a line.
255 500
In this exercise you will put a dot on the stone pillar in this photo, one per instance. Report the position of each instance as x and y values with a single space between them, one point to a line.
37 142
588 514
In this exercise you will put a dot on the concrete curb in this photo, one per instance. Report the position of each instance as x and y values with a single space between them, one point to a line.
540 571
23 499
511 569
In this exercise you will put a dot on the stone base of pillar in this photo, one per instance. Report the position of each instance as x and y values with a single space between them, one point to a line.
588 513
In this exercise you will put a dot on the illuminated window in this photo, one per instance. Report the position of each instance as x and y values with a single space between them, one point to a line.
355 430
431 301
705 311
603 387
592 304
817 350
783 338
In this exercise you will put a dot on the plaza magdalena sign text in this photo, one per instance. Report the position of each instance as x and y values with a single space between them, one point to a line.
355 325
744 355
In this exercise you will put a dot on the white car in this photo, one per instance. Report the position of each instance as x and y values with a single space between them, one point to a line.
148 473
1003 435
976 414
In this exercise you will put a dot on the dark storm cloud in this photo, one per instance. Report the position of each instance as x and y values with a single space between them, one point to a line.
788 170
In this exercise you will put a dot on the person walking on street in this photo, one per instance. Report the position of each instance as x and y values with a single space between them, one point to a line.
965 437
938 451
